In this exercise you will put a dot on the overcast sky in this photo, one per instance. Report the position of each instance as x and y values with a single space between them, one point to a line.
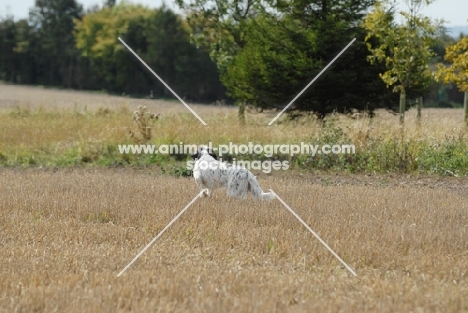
454 12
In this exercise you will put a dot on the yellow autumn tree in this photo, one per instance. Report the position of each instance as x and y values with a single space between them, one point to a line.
457 70
404 48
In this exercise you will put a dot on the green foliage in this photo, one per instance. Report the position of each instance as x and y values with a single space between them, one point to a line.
52 41
334 135
389 155
269 69
3 159
180 171
268 51
271 74
219 27
96 34
158 37
8 30
447 158
405 49
40 50
61 46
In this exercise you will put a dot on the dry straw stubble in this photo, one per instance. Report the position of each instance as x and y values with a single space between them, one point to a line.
66 234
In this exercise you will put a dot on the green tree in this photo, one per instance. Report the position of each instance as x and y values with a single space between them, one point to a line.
17 63
405 48
7 48
268 51
96 38
56 57
219 26
160 38
109 3
457 72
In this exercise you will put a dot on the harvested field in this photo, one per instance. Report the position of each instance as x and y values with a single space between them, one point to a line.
33 98
65 235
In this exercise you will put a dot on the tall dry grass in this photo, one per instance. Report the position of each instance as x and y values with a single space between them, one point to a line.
34 119
36 130
66 234
45 137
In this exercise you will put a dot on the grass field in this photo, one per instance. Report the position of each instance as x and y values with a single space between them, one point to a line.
50 128
67 234
68 227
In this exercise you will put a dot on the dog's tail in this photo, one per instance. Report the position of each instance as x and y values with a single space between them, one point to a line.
256 190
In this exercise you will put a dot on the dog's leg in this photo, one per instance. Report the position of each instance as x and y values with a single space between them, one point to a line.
206 193
199 180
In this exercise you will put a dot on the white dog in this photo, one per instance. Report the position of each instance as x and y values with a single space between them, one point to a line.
210 174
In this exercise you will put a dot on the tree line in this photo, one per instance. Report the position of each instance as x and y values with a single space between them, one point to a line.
61 45
251 51
267 51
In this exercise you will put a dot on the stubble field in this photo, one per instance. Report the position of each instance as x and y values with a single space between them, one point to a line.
67 231
66 235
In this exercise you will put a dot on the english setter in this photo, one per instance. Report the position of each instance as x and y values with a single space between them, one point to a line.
210 174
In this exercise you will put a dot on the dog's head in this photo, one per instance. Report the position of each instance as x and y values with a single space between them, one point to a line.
204 150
